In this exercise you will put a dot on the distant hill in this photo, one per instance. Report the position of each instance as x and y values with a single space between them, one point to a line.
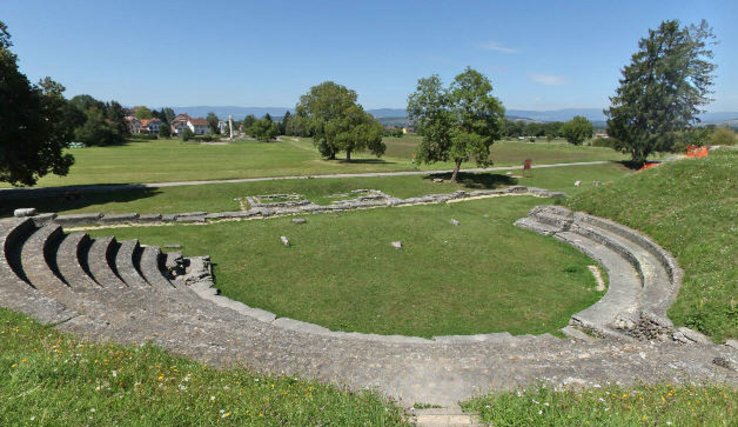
398 116
381 113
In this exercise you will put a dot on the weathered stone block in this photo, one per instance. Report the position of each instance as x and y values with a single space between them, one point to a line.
118 218
78 219
24 212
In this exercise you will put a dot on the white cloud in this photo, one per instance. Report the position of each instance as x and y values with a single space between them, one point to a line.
548 79
498 47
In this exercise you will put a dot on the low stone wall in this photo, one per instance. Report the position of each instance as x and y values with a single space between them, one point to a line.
261 208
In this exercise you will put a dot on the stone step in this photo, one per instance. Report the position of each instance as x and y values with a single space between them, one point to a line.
67 260
15 293
43 241
623 292
658 289
577 334
553 219
666 260
150 267
444 417
614 244
98 258
126 261
532 224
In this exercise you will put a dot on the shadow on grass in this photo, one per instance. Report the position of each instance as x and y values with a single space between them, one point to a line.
478 180
633 165
365 162
59 199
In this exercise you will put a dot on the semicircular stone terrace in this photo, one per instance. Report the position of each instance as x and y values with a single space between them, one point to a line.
103 289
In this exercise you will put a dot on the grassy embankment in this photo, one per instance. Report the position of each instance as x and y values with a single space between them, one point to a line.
689 207
49 378
648 405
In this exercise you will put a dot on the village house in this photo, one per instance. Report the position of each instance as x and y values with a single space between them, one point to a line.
179 123
134 125
198 126
138 126
151 126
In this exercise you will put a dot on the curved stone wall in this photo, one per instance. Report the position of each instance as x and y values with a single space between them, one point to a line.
105 290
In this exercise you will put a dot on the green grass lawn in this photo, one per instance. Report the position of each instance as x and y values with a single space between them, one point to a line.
341 272
691 208
173 160
512 152
647 405
49 378
220 197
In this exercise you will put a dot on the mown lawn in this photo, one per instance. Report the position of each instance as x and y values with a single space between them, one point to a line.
610 405
53 379
691 208
224 197
173 160
341 272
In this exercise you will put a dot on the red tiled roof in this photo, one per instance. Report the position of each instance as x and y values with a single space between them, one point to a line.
199 122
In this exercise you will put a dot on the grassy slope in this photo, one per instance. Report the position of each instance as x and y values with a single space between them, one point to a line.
341 272
50 378
689 207
172 160
220 197
652 405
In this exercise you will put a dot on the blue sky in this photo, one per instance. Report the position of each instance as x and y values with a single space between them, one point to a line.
539 54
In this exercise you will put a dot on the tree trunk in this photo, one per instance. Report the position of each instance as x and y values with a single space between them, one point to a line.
348 155
455 173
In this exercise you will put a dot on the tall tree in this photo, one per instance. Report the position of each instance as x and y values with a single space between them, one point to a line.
331 114
248 123
33 127
168 114
356 131
662 89
213 123
285 125
577 130
116 116
458 123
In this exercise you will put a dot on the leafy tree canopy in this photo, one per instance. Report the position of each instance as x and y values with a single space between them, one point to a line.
264 129
458 123
577 130
213 120
337 122
662 89
142 112
33 130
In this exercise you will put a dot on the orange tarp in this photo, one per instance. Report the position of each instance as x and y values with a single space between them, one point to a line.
696 152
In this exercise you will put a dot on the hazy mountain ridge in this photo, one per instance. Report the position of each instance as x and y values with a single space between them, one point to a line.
397 115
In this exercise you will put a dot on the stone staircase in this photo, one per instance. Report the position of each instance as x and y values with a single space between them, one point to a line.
105 290
644 279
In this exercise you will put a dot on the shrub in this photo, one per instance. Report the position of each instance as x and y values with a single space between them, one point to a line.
187 134
723 136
